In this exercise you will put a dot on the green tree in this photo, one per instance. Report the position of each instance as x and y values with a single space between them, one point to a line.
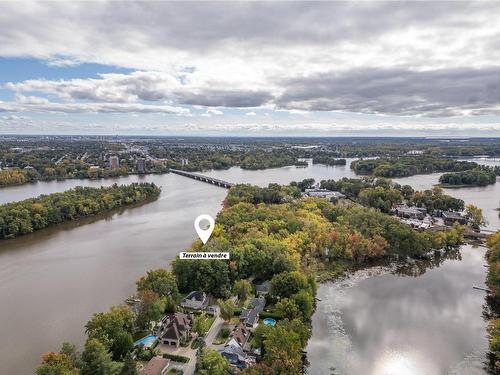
207 275
212 362
305 302
129 366
109 327
297 326
160 281
260 334
96 359
242 288
288 309
226 309
122 344
287 283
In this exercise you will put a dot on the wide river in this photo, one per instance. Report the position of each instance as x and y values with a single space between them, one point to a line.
53 280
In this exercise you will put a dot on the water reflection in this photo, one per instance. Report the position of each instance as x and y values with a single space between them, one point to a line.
377 322
416 268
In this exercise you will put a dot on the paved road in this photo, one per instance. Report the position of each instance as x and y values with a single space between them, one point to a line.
190 367
214 330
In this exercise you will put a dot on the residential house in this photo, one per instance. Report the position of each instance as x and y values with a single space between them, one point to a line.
250 317
195 300
412 212
262 289
234 353
323 193
156 366
173 329
450 217
241 334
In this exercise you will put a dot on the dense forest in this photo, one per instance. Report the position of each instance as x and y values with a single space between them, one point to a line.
271 234
382 194
409 166
480 176
29 215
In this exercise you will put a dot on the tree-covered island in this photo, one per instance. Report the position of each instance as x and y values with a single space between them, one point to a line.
409 165
29 215
480 176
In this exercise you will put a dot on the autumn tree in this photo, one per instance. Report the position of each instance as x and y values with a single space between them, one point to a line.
150 309
56 364
283 351
475 216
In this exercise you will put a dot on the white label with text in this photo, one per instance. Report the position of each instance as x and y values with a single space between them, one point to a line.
203 255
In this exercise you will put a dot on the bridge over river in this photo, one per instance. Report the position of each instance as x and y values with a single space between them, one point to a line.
199 177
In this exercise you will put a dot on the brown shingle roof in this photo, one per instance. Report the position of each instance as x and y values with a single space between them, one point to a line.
155 366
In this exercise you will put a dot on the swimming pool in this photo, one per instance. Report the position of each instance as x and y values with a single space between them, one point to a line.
146 341
269 322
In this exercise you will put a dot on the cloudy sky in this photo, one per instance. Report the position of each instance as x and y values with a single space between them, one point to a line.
257 68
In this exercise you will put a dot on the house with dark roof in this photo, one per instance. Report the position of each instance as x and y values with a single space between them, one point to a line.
450 217
262 289
195 300
241 334
174 329
409 212
250 317
234 353
156 366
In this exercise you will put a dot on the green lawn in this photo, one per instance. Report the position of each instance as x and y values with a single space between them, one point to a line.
206 322
222 336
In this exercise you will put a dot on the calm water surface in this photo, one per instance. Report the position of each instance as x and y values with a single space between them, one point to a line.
53 280
379 323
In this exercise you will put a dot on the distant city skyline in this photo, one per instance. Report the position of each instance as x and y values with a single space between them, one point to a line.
251 69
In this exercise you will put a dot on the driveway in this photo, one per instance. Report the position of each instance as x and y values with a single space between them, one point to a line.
190 367
214 330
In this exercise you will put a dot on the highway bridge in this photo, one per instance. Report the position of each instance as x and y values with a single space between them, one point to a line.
199 177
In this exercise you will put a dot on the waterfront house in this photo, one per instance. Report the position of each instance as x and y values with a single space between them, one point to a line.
156 366
412 212
195 300
174 329
450 217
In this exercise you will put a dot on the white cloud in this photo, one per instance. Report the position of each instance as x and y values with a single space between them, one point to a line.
214 111
51 107
407 59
